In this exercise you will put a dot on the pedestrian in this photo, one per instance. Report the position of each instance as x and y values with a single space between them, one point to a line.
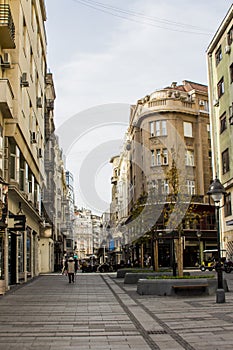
70 267
64 268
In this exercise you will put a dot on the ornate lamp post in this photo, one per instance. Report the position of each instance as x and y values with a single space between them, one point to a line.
217 193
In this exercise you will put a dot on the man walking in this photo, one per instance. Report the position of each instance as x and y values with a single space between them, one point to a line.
71 269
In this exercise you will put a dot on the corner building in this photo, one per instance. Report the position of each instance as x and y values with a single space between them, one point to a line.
169 166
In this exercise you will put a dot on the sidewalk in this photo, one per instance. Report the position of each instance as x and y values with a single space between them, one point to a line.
100 312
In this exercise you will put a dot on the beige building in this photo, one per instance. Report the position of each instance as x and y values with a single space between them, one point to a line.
119 202
169 131
32 173
83 233
22 80
220 73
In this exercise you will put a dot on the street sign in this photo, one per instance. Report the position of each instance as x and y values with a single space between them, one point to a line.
17 223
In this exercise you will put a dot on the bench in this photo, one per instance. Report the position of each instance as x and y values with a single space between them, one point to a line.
202 286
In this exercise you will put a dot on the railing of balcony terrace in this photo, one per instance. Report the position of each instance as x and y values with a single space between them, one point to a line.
6 22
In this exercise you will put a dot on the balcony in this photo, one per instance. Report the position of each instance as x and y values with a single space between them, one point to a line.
6 98
7 28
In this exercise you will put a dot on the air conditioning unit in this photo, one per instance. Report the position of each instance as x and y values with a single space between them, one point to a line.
33 137
202 103
24 81
39 102
6 60
40 154
216 103
227 49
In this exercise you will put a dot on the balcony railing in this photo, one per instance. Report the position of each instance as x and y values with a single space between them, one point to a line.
7 27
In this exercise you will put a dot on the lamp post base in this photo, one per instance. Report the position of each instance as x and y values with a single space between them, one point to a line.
220 296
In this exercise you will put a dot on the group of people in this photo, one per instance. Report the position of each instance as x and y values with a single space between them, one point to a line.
70 268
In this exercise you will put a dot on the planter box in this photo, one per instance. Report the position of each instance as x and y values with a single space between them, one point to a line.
163 287
133 277
121 272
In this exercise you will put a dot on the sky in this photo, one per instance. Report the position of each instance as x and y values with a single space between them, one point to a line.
107 54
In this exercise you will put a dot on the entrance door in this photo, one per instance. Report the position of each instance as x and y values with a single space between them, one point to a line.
191 256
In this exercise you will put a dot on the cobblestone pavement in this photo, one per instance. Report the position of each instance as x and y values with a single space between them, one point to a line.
99 311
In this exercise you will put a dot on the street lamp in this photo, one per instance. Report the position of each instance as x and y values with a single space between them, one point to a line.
217 192
199 233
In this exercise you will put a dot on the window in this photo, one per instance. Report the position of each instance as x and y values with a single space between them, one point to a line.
157 128
218 55
152 158
158 157
165 156
160 128
1 151
231 114
190 187
231 73
165 187
220 87
164 127
230 36
188 130
223 123
14 161
21 173
227 207
208 130
153 184
32 66
189 158
152 129
225 161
